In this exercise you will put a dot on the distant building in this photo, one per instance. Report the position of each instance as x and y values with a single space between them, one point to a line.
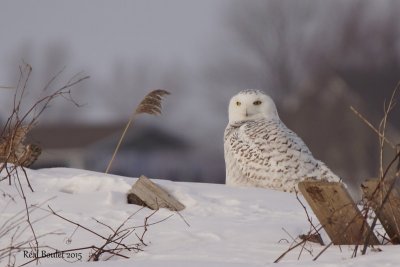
68 145
146 149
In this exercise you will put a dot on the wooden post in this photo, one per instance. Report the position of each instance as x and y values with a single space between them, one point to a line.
389 216
146 193
337 212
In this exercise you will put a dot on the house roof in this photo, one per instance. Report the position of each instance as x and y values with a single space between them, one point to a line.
144 137
71 135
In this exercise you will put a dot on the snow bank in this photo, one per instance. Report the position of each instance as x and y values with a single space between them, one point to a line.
228 226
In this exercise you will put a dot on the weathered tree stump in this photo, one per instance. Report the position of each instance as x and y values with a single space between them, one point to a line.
146 193
389 215
337 212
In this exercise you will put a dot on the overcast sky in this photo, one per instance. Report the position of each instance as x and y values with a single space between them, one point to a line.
130 47
99 32
100 35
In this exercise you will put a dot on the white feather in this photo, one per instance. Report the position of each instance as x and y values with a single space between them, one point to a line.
261 151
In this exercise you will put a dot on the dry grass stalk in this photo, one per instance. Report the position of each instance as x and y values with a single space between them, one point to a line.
151 104
14 227
310 236
313 235
372 127
11 137
383 172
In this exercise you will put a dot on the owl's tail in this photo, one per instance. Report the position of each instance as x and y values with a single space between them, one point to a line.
327 174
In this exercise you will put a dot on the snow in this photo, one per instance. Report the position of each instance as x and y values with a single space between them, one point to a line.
229 226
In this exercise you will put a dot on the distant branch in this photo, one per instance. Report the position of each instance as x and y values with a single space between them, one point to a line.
372 127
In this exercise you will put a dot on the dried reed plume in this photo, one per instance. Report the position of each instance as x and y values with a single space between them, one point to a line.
151 104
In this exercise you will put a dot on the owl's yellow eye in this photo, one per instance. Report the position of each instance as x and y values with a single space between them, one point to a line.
258 102
238 103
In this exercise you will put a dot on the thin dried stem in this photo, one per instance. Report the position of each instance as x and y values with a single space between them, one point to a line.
372 127
321 242
303 241
385 199
19 124
12 150
151 104
383 173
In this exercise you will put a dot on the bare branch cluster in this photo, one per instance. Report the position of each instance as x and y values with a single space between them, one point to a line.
22 119
313 236
116 244
388 174
15 227
384 171
14 155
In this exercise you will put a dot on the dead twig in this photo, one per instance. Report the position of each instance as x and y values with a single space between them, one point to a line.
116 240
316 232
383 173
292 248
12 149
372 127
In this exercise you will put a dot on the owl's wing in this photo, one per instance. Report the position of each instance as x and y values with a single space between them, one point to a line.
266 150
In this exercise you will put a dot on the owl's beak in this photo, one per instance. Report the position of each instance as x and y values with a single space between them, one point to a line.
246 114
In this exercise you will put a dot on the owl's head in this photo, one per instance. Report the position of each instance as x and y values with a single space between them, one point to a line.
251 104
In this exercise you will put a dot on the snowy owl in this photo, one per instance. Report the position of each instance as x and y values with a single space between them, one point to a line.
261 151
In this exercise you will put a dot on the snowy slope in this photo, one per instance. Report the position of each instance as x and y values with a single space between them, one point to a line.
228 226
